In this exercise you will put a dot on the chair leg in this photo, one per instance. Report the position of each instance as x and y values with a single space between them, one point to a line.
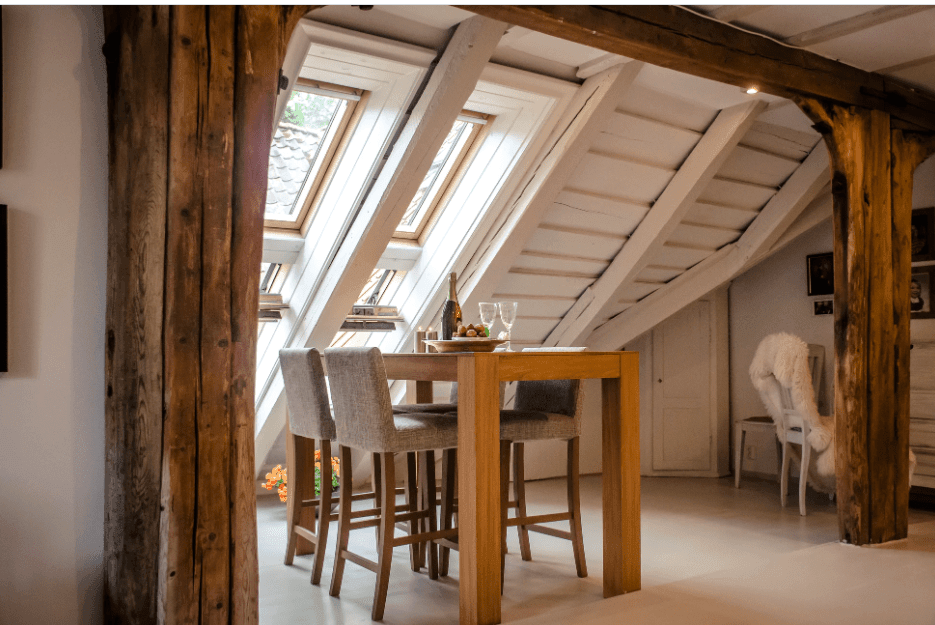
574 507
504 497
412 501
376 484
427 485
324 512
803 475
784 474
739 434
519 490
387 528
449 469
300 463
344 521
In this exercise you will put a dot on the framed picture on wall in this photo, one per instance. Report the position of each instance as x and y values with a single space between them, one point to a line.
824 307
820 268
920 293
923 234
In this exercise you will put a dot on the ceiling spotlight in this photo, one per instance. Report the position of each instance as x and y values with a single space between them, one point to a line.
753 90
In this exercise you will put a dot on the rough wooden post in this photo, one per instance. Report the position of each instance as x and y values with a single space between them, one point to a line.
872 166
192 93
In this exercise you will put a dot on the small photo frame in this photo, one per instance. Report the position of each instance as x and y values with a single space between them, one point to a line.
920 293
820 274
923 234
824 307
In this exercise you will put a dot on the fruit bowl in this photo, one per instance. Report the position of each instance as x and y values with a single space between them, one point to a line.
466 344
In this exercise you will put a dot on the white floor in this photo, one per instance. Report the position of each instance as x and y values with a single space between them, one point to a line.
710 554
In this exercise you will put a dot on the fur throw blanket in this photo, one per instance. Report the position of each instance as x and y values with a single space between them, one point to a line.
781 360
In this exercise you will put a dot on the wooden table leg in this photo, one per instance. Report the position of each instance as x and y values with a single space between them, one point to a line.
479 488
419 392
621 458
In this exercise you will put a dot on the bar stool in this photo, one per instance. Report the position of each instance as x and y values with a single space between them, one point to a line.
365 421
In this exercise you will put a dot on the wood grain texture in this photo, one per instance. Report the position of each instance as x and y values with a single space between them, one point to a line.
621 478
136 52
189 150
872 166
679 39
478 486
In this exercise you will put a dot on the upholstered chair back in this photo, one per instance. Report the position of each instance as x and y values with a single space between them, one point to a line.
362 406
307 394
556 396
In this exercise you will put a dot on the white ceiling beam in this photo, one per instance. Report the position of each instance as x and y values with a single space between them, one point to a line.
663 218
598 65
799 191
450 85
588 111
732 13
853 24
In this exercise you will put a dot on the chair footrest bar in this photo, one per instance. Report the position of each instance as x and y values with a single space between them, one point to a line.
306 534
539 518
423 537
444 542
362 524
359 560
551 531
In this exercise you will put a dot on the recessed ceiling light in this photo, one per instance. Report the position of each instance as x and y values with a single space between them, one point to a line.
753 90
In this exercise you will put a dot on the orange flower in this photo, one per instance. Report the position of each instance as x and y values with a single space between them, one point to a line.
317 454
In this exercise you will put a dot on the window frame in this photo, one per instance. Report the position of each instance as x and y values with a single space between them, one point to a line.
336 139
441 190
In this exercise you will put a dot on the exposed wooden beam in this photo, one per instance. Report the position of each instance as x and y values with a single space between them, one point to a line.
799 191
452 82
732 13
597 97
191 93
679 39
854 24
711 151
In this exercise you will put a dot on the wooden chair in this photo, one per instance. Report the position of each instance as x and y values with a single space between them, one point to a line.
365 420
795 431
310 421
543 410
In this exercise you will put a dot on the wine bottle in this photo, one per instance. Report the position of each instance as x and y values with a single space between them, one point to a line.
451 312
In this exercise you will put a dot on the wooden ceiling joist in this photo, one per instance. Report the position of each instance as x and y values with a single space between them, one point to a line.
688 42
711 151
779 213
854 24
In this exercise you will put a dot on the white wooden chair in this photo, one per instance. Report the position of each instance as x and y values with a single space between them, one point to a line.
795 429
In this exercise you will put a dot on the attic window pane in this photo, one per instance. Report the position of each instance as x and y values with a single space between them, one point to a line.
436 180
297 155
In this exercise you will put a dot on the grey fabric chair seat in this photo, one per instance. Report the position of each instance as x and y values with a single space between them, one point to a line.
418 431
533 425
425 408
307 394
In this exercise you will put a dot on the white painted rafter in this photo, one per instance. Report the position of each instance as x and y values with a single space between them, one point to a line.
802 188
596 98
732 13
708 155
450 85
854 24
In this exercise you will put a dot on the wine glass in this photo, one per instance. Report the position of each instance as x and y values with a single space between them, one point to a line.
508 317
488 312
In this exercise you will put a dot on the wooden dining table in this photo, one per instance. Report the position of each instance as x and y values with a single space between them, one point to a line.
479 376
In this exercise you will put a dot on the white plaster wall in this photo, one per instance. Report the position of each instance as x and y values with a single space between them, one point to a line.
54 180
771 297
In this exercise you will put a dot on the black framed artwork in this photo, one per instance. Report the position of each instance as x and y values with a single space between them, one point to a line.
923 234
824 307
820 268
920 293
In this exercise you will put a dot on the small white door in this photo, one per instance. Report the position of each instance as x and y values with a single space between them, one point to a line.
682 434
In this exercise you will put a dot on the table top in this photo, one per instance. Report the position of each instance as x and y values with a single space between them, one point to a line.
510 365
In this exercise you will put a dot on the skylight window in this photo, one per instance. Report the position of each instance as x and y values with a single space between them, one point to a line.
304 145
440 176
